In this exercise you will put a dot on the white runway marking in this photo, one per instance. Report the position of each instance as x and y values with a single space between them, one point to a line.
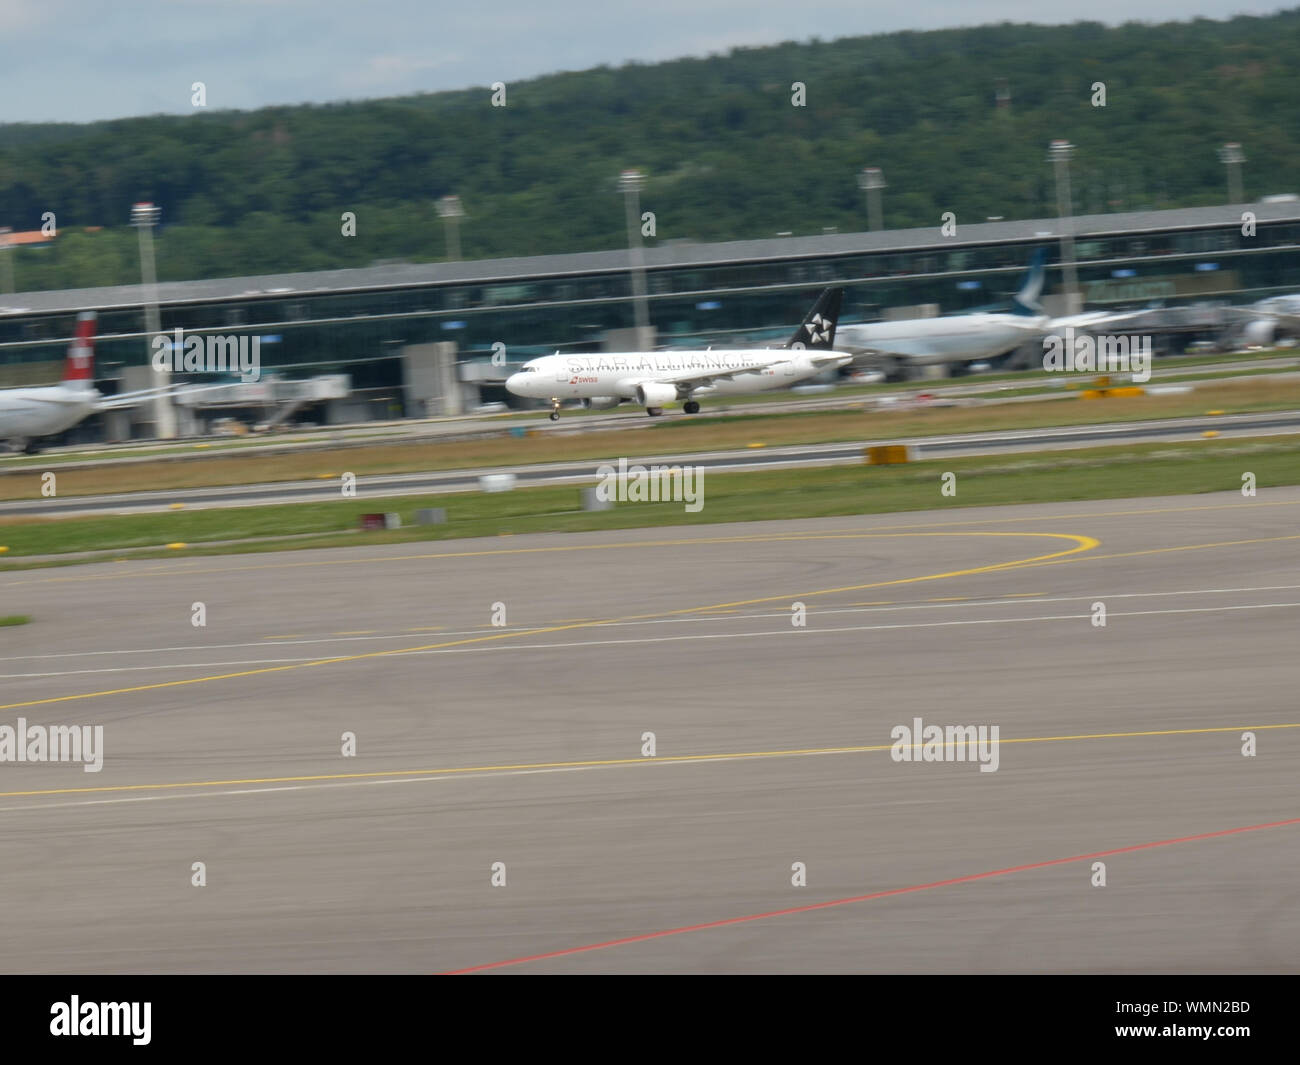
804 633
976 601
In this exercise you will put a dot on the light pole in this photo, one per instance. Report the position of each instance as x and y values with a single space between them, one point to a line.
451 212
630 183
871 181
144 216
1231 156
1059 153
6 260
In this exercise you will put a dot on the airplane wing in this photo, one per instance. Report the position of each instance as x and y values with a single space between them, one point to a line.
1253 313
1093 319
701 378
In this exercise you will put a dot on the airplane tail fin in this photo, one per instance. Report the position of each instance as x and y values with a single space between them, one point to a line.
1025 300
817 331
80 365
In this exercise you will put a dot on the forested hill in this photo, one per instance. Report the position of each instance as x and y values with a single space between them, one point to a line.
725 153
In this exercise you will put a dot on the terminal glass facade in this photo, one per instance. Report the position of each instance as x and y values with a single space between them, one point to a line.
363 332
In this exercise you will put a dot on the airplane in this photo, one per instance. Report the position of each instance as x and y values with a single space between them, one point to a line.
974 336
1269 317
29 414
971 337
655 378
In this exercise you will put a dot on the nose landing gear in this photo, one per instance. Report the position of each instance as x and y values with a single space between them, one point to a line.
555 409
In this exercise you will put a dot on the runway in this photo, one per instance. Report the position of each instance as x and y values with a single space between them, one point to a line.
525 744
731 461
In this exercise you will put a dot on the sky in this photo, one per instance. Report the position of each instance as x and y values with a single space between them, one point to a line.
84 60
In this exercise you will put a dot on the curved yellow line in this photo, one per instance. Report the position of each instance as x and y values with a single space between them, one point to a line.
1082 543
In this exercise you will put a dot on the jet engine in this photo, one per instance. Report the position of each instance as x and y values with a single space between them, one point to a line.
1261 331
601 402
655 394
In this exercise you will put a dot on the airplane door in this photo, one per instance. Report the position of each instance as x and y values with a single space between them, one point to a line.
788 368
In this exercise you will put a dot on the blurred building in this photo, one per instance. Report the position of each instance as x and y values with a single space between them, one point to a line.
418 339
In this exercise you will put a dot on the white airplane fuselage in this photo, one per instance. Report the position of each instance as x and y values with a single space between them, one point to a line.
957 338
623 374
31 413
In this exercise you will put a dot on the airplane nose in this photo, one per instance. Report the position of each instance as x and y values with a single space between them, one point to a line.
512 383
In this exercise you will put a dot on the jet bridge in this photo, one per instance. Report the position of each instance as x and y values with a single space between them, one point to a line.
276 398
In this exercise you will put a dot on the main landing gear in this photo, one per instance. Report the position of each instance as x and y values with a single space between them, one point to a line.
689 407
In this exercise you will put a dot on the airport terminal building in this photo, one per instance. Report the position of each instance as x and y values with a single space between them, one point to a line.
417 339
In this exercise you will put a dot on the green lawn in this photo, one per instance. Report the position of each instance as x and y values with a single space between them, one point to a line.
1096 473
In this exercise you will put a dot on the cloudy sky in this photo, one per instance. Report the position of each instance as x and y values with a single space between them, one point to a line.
81 60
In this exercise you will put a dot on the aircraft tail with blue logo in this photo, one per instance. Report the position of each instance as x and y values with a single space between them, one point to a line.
1025 301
